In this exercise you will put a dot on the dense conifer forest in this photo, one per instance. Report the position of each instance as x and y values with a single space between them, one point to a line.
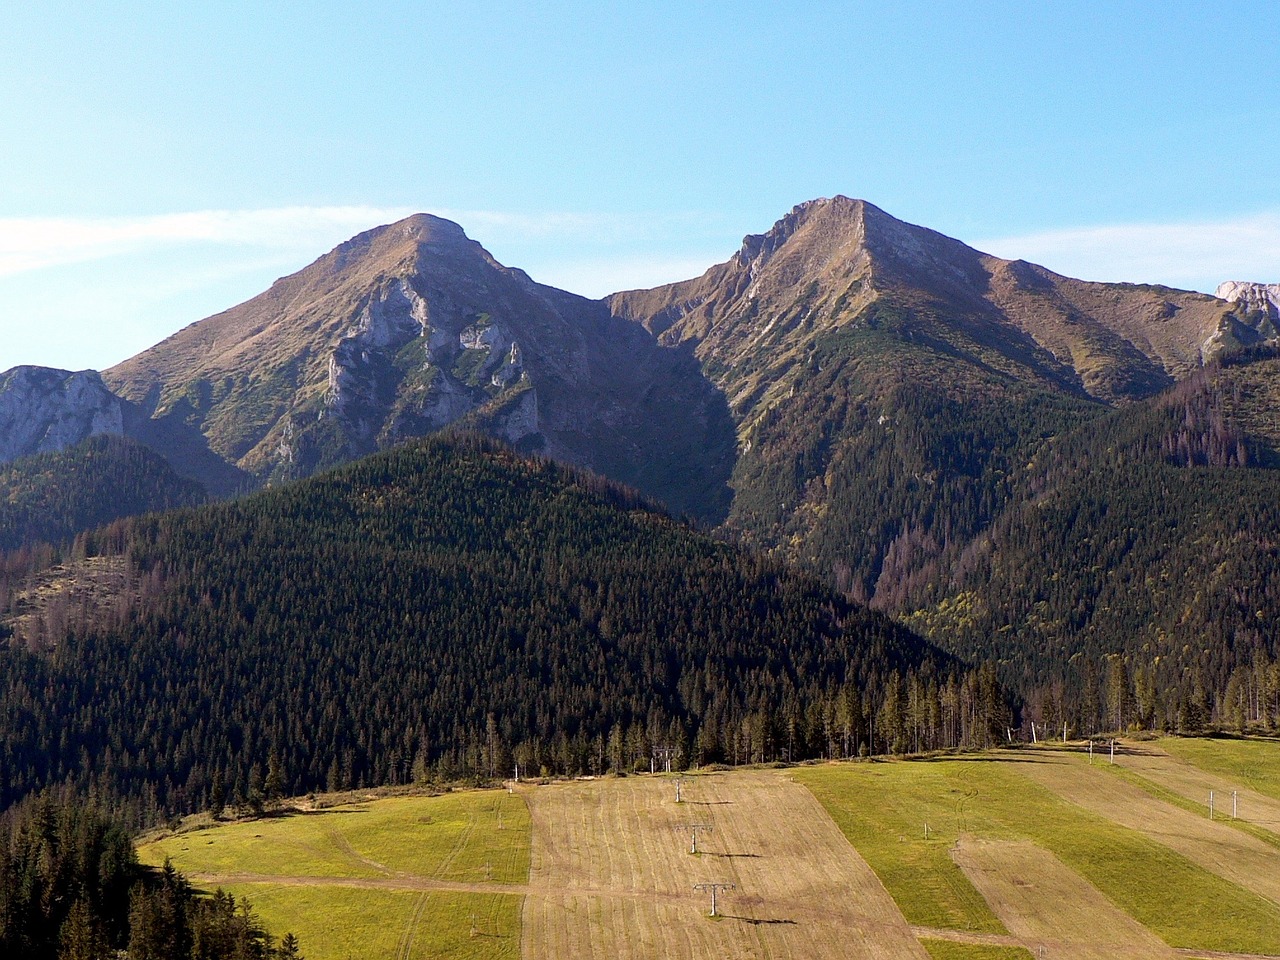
71 888
1143 540
50 497
447 609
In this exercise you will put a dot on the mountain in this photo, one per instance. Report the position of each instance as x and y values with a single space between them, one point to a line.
864 397
1264 297
887 381
830 261
411 327
447 602
46 411
1150 532
732 397
50 497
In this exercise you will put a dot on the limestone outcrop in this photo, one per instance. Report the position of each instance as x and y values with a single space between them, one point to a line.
43 410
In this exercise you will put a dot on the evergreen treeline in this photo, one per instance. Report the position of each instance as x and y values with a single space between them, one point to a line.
1119 693
447 609
71 888
50 497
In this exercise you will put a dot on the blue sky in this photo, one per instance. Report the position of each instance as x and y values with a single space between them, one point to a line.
159 163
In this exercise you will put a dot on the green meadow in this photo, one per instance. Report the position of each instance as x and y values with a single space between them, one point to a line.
418 876
355 881
883 807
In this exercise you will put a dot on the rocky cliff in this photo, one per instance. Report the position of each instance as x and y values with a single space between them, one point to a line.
1264 297
44 410
411 327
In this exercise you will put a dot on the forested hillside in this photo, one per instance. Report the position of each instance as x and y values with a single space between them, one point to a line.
1149 534
50 497
445 609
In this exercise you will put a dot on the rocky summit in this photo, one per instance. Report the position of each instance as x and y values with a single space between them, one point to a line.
412 327
1264 297
755 395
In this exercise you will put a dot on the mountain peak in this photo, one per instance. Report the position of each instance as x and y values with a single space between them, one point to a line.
397 240
44 410
832 217
427 228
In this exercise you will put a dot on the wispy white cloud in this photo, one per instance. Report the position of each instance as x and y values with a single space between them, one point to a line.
34 243
1196 256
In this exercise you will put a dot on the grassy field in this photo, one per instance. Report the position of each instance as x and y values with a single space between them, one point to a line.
984 857
398 877
613 877
1218 846
1044 902
1186 785
882 807
951 950
1253 763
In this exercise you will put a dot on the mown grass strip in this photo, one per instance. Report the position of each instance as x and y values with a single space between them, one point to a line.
882 808
1191 806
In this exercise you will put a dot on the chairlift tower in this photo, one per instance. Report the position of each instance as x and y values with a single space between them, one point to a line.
693 829
714 888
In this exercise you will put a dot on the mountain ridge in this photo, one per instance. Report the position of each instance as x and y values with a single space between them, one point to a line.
255 377
411 327
850 391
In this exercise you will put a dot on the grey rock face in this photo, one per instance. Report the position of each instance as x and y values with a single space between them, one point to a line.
1262 296
44 410
1258 322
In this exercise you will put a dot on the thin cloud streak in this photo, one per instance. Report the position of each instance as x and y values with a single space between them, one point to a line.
127 282
35 243
1196 256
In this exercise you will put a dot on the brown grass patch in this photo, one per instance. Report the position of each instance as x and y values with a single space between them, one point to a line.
612 875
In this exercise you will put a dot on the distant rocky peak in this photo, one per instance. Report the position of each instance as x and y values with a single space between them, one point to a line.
43 410
1259 296
758 248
